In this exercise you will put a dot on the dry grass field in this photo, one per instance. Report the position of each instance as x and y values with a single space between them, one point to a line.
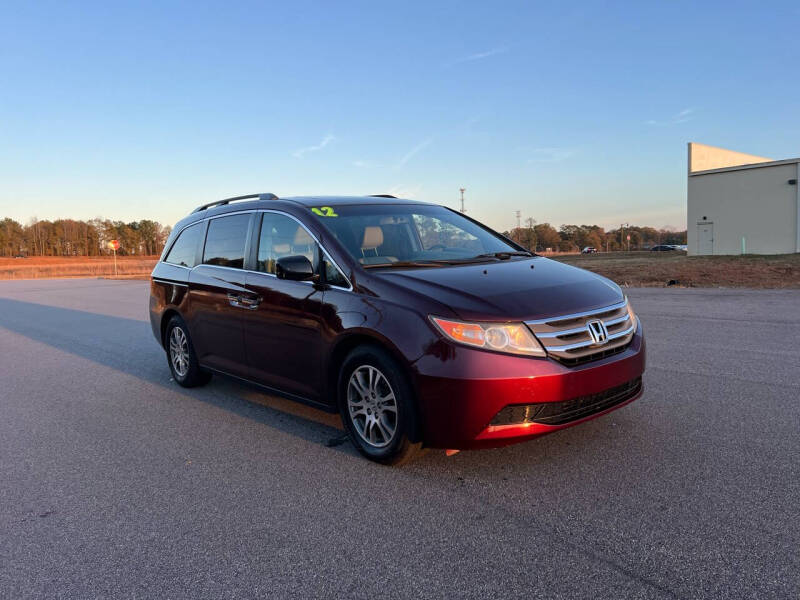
653 269
635 269
52 267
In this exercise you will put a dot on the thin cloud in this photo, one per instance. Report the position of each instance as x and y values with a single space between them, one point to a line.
681 117
303 151
477 56
411 153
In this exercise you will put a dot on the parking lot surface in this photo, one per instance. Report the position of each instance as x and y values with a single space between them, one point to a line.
115 482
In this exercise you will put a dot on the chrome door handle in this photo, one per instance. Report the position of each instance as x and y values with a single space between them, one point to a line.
234 299
240 301
249 301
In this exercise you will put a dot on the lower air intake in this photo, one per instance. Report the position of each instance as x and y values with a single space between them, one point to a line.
560 413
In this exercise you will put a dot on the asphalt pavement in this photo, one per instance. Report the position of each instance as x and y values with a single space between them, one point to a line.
115 482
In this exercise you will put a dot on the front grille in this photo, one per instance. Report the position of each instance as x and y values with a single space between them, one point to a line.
560 413
568 338
579 360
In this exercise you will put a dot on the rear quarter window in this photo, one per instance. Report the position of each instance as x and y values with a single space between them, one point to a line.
184 250
225 241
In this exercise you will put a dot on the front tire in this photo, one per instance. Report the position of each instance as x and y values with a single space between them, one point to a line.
376 403
183 363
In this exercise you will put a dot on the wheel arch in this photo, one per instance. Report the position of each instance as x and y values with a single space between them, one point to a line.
348 342
166 317
353 340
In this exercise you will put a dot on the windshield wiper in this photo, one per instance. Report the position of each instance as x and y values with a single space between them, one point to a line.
403 263
480 258
504 255
441 262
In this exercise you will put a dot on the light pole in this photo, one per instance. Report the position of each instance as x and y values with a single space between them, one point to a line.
462 190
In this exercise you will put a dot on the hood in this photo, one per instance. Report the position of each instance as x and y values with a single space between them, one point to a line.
513 290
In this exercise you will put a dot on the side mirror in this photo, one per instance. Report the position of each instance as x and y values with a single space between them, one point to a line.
294 268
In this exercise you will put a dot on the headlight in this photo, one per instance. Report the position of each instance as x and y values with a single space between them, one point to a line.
631 314
514 338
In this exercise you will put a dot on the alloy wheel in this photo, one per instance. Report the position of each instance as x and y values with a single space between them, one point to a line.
179 351
372 406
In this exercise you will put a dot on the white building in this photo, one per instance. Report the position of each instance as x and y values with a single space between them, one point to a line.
741 204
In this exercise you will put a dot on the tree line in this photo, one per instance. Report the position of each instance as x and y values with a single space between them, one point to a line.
572 238
68 237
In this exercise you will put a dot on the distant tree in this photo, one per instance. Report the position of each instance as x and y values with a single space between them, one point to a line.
523 236
546 236
12 239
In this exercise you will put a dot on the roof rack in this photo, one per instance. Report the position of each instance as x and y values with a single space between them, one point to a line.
381 196
266 196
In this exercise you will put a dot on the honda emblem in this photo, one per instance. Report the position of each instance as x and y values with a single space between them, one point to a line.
597 331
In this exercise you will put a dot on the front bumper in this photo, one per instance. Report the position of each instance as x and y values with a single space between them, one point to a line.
461 392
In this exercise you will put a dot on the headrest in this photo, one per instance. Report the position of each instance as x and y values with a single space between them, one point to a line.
377 260
301 238
281 248
373 237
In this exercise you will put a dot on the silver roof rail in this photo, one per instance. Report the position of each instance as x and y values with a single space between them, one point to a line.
266 196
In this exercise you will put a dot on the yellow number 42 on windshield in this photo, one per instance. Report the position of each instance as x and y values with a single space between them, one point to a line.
324 211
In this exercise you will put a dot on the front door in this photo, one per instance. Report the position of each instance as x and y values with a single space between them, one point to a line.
283 334
218 298
705 238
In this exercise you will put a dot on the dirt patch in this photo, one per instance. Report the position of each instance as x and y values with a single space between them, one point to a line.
654 269
50 267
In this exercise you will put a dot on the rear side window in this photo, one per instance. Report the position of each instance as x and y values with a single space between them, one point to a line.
184 250
225 241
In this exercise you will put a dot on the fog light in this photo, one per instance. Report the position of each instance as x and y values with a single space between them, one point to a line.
517 414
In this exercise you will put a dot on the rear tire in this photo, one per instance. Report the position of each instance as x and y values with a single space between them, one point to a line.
378 408
183 363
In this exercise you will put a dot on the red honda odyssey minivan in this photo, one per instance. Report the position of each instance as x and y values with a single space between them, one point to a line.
417 324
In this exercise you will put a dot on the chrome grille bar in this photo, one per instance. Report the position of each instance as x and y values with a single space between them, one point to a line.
586 344
567 337
597 311
577 330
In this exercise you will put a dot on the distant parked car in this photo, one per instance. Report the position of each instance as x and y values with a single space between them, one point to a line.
663 248
589 250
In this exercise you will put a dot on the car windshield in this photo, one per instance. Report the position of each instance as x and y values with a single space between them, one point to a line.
400 235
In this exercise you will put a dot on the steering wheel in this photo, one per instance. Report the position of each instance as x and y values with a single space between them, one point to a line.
438 246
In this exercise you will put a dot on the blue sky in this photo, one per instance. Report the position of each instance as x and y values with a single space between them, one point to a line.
570 112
